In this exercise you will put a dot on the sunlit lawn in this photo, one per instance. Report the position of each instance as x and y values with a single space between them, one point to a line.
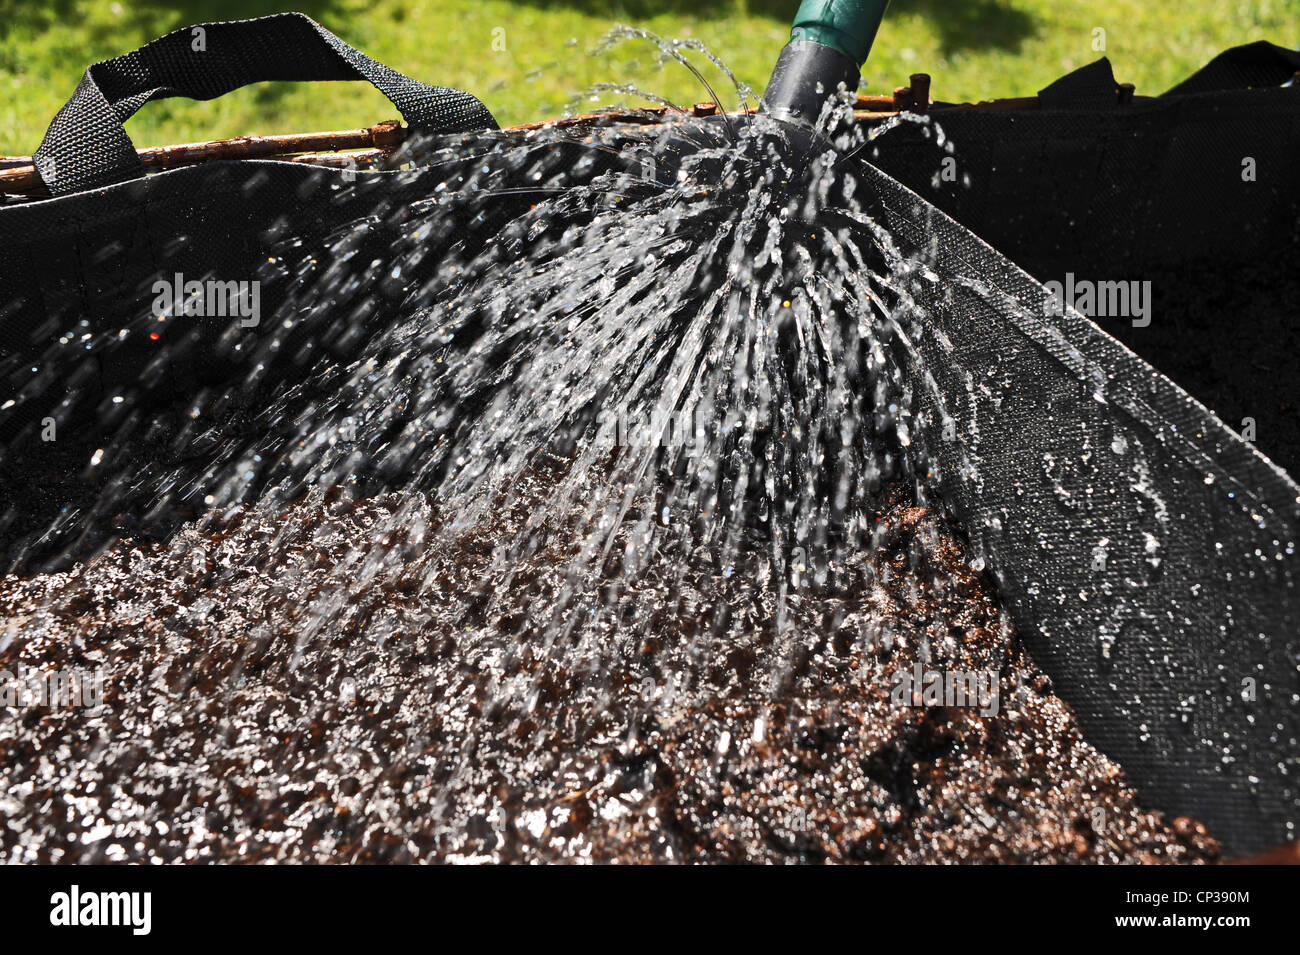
975 49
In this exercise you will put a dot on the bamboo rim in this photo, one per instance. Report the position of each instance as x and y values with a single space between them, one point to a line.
380 145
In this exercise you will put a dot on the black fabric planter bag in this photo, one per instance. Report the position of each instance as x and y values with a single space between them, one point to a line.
92 252
82 265
1196 191
1145 551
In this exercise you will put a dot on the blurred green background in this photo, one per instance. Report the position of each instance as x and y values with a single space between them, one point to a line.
975 49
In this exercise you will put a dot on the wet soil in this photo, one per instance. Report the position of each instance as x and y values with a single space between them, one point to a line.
338 681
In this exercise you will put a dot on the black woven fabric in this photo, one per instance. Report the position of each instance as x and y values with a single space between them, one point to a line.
1147 553
1091 85
1153 190
87 147
321 242
1256 65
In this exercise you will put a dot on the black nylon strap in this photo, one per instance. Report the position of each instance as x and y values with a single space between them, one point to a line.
86 146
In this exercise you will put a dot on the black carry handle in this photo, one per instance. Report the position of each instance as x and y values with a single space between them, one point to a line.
86 146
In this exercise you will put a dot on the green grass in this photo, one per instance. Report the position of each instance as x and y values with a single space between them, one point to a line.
975 49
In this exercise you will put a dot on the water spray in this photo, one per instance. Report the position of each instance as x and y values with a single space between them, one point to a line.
829 42
604 466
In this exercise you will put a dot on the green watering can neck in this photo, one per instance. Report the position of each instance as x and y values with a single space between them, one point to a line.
829 41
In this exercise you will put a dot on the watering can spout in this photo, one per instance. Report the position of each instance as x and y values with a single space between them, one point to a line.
829 42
